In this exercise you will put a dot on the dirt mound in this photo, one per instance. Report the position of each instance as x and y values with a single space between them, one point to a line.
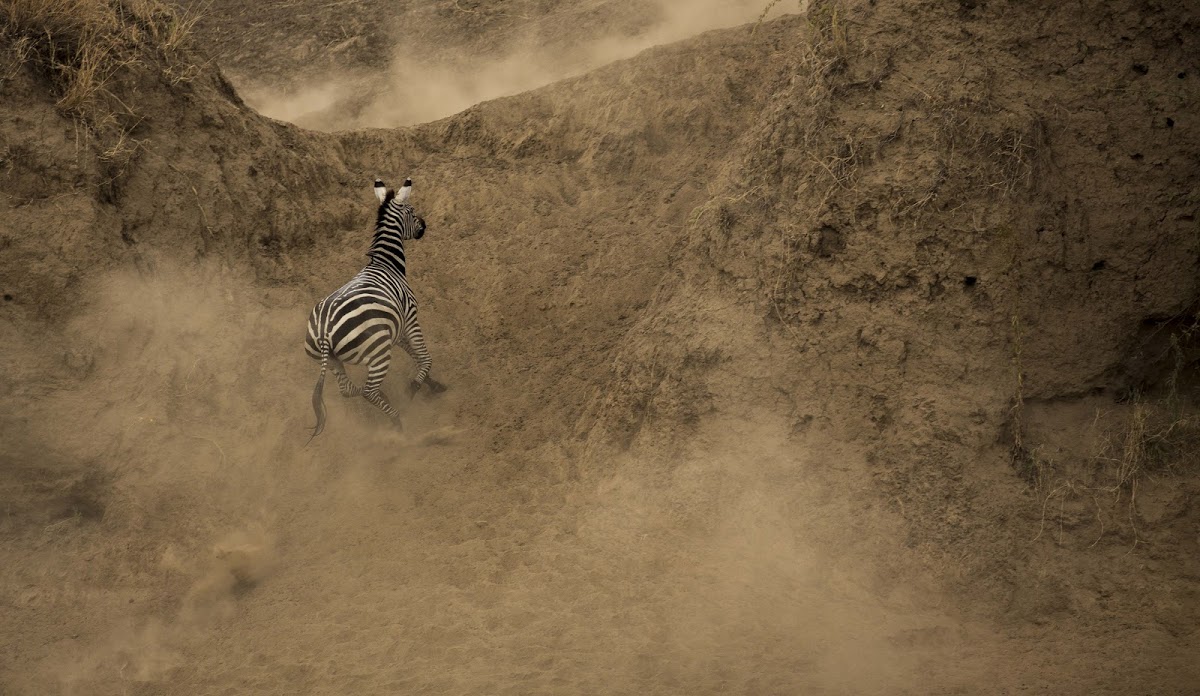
787 358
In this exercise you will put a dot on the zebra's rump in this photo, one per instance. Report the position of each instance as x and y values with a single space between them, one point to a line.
357 327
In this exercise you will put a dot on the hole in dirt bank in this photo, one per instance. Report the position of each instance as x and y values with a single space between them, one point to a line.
8 298
1098 266
1170 122
969 282
828 241
966 8
1137 157
1163 354
1140 69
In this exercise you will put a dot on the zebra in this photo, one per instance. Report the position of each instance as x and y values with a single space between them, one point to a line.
361 321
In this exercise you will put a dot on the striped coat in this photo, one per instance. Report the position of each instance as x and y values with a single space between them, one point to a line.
361 321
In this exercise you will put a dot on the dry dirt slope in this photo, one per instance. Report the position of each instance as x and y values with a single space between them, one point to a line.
718 434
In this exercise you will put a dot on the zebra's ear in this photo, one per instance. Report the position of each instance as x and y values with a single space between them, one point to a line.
380 190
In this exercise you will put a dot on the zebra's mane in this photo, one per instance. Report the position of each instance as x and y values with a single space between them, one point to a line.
387 245
383 206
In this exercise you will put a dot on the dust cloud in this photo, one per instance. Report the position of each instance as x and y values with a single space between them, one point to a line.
416 89
150 650
375 562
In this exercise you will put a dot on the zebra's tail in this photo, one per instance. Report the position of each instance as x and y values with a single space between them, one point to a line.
318 399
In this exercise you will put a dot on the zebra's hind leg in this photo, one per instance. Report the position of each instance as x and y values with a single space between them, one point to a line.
376 371
347 387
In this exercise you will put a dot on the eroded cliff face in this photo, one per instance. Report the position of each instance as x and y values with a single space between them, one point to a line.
195 173
928 238
878 320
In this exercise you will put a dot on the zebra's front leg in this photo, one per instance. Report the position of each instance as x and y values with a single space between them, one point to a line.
414 344
376 371
347 387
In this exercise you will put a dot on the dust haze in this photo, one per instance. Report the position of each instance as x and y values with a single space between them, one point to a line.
764 384
416 89
221 535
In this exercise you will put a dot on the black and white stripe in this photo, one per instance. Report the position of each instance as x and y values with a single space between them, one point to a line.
361 321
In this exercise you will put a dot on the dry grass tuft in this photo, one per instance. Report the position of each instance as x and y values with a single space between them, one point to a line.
1144 439
1158 438
1152 439
999 154
979 147
84 47
828 39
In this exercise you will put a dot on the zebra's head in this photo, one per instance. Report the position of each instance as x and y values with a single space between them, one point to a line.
395 215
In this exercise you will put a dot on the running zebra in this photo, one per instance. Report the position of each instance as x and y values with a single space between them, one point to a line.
361 321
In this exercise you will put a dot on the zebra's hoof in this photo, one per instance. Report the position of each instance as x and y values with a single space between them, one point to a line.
413 387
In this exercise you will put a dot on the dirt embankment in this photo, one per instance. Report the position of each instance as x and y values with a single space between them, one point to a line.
974 255
776 357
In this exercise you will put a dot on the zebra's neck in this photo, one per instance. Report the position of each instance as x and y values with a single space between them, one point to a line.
387 251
